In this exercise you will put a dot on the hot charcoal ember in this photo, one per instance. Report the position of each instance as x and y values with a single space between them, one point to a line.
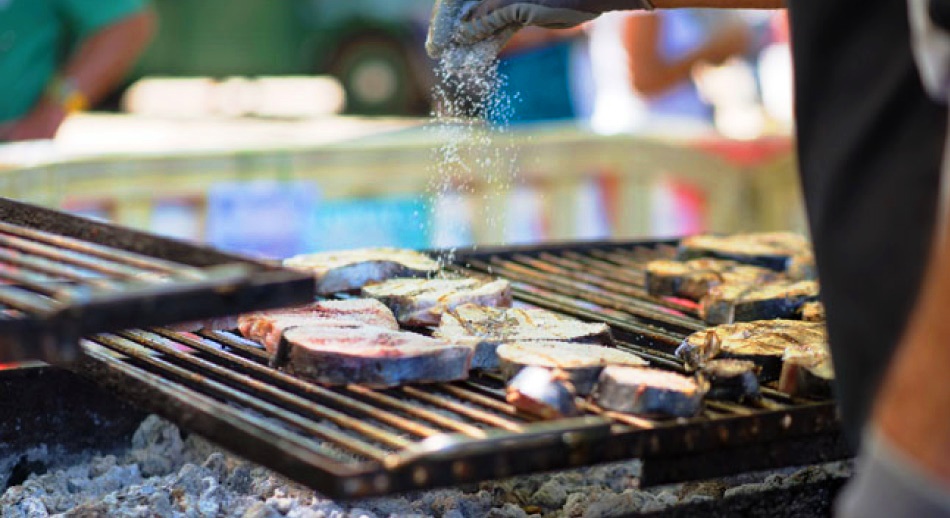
543 392
374 357
267 327
352 269
421 302
693 279
764 342
732 380
486 328
648 392
161 473
769 249
580 363
730 303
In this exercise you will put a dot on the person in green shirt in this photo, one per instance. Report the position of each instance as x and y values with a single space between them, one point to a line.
61 56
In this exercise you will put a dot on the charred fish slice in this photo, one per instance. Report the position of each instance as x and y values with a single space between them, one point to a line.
768 249
813 312
374 357
764 342
730 303
732 380
807 372
421 302
542 392
352 269
580 363
266 327
648 392
485 328
694 278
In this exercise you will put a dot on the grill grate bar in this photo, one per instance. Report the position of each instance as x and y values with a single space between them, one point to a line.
70 257
103 252
465 410
291 383
590 293
26 301
258 388
224 392
416 411
474 397
47 267
237 343
603 279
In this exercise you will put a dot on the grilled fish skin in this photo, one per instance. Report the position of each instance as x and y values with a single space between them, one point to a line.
764 342
542 392
580 363
807 372
694 278
732 380
730 303
768 249
370 356
352 269
485 328
267 327
421 302
813 312
648 392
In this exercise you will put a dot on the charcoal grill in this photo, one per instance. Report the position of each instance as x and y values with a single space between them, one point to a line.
352 442
63 276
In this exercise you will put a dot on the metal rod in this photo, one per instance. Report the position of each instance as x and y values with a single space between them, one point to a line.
627 419
309 389
104 252
479 399
416 411
74 258
133 350
458 408
235 342
246 383
26 301
45 266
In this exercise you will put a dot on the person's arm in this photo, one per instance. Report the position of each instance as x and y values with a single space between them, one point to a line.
94 69
651 74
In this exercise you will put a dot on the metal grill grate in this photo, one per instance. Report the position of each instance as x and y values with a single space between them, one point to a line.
62 276
353 441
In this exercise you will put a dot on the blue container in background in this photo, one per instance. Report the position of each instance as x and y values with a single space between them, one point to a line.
402 222
268 219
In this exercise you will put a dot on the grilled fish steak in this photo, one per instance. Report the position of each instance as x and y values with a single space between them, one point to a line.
371 356
729 303
267 327
421 302
485 328
542 392
802 267
813 312
352 269
768 249
732 380
648 392
580 363
807 372
763 342
694 278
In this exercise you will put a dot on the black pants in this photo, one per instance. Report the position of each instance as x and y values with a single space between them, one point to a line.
870 146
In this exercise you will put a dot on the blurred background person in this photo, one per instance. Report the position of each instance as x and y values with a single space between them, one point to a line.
663 52
63 56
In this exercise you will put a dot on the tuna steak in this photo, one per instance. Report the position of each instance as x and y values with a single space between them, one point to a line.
730 303
694 278
371 356
580 363
648 392
732 380
421 302
352 269
768 249
485 328
542 392
266 327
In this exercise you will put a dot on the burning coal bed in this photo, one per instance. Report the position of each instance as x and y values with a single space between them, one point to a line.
164 472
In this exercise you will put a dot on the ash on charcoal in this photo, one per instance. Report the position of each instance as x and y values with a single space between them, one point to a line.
198 479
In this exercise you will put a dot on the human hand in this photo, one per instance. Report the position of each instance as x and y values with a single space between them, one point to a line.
40 123
469 22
